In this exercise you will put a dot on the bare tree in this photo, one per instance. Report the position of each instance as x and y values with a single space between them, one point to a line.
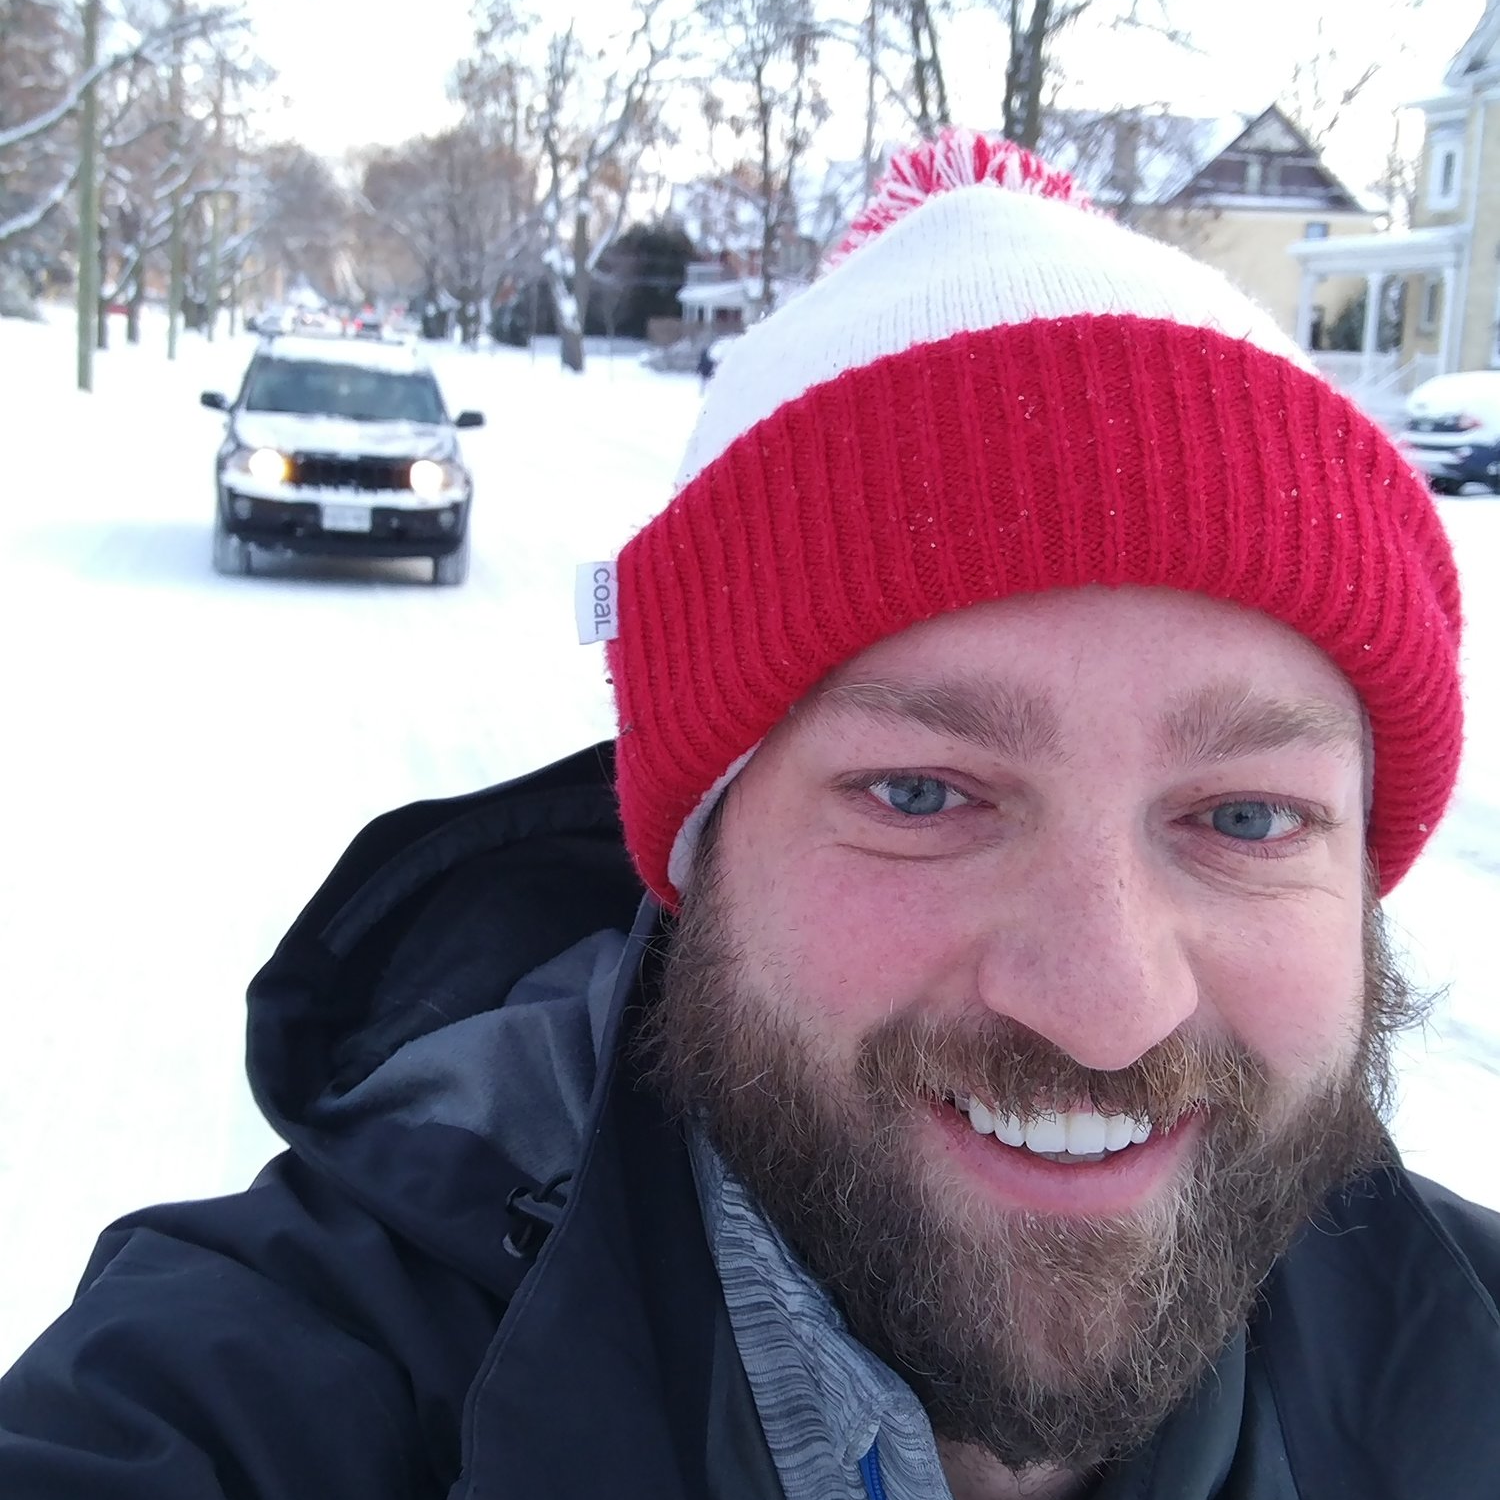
1325 81
176 146
772 55
576 120
1034 27
39 139
1337 80
451 213
40 47
900 47
928 88
400 219
596 122
302 212
497 88
1397 182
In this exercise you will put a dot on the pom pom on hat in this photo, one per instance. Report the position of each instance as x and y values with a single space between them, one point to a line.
993 394
956 158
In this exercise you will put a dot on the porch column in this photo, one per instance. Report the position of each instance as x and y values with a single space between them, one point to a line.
1374 281
1448 352
1305 297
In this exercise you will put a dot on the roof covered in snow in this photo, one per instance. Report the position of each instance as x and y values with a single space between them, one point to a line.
742 293
1152 159
368 354
738 291
1144 157
1478 53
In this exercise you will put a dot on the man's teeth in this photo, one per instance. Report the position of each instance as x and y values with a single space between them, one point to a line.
1075 1132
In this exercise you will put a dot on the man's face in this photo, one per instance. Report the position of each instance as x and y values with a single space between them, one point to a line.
1030 984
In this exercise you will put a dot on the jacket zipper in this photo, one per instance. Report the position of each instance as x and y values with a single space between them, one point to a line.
869 1471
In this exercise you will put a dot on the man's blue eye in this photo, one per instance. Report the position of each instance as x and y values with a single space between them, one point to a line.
916 796
1253 822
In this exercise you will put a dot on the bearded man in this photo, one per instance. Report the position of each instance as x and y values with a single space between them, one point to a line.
941 1048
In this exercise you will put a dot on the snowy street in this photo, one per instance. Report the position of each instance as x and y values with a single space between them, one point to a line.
186 755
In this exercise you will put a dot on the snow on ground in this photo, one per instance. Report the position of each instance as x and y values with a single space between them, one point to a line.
187 755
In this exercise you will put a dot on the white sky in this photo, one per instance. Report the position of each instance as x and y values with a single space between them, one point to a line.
348 78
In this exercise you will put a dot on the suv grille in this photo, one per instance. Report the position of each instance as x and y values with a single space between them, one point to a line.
326 471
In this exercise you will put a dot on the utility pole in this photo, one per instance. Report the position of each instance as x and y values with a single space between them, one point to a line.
88 205
174 291
215 205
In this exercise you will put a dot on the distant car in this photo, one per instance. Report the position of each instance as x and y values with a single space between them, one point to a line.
272 320
316 320
1452 431
341 447
367 325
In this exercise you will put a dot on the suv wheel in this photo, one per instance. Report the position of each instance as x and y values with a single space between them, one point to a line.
231 553
452 567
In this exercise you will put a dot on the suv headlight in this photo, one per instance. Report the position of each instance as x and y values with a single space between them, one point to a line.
267 465
431 479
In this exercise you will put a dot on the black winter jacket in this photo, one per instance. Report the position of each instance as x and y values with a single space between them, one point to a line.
443 1032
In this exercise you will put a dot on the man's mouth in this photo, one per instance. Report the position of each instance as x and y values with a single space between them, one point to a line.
1069 1136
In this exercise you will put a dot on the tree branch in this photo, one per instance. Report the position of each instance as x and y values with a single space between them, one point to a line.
148 48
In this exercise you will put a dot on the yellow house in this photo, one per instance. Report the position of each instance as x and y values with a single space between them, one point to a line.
1450 257
1235 192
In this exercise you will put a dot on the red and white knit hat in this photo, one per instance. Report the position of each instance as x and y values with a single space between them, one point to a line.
994 391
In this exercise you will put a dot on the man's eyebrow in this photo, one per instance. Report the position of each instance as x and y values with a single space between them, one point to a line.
1013 723
1223 721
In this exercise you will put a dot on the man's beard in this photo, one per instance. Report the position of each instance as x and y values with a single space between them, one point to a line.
1039 1339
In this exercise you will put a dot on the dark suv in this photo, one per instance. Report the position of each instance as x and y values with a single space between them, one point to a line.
341 447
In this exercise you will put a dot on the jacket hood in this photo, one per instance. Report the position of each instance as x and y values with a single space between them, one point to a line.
396 1038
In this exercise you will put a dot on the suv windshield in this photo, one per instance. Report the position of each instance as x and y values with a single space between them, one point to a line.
340 390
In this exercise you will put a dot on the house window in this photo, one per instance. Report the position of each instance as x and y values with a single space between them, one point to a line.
1317 229
1445 171
1254 174
1430 305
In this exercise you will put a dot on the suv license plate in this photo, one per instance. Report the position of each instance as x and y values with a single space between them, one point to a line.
346 518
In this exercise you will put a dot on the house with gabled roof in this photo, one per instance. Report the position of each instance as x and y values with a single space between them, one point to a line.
726 290
1449 258
1235 192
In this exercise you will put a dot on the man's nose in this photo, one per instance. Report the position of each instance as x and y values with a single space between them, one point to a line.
1093 954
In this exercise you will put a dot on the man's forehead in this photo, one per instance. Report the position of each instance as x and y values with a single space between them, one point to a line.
1204 722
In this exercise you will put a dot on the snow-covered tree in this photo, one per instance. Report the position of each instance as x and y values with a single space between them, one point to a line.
42 87
596 124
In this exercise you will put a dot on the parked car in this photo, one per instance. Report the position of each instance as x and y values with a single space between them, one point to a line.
1452 431
340 447
272 320
367 324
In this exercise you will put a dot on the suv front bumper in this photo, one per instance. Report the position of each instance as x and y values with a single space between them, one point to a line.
330 527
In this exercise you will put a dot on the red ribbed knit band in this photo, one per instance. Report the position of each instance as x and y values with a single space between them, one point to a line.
1097 449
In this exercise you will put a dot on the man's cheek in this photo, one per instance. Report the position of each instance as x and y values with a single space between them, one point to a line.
1297 1003
859 974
